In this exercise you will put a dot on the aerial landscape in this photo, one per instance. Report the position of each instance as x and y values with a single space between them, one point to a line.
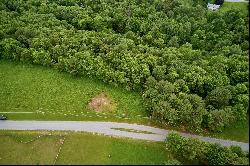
124 82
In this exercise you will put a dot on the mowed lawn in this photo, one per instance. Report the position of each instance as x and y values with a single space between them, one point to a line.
77 148
53 95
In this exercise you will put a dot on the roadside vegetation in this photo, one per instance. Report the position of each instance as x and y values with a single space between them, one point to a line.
190 150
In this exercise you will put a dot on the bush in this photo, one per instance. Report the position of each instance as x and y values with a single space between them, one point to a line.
217 155
219 97
218 119
176 108
185 149
193 150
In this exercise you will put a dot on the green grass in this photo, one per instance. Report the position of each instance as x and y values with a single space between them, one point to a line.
132 130
79 148
242 6
211 1
41 151
30 88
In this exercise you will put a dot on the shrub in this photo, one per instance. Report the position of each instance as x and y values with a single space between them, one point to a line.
219 97
193 150
176 108
185 149
218 119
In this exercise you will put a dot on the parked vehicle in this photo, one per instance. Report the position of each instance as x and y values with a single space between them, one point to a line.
3 117
219 2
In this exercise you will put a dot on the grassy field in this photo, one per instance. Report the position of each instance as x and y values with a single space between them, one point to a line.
243 7
77 148
51 95
40 151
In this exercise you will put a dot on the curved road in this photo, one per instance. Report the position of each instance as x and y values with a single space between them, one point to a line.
109 128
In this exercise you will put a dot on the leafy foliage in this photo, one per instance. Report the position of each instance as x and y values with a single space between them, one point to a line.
185 149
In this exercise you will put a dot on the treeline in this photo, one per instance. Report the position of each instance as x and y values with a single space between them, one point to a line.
191 150
191 64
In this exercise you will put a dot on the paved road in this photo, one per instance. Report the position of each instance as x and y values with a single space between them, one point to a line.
236 1
108 128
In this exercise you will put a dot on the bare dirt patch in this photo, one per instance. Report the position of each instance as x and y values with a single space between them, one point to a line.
102 103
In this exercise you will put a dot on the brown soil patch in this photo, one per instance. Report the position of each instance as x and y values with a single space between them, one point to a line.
101 103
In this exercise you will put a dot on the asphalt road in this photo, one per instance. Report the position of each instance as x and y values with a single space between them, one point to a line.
236 1
108 128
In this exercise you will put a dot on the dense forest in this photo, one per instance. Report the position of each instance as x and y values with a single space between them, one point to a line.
190 64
